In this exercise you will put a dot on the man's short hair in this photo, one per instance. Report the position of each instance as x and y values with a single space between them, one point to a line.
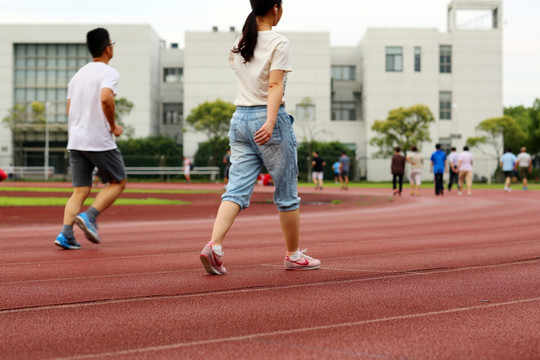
453 148
437 146
97 41
465 148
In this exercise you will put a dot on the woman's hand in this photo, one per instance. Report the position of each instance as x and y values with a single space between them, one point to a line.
264 133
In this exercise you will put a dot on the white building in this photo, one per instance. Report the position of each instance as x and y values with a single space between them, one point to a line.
457 73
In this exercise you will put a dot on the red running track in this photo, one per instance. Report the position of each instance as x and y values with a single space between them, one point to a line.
451 277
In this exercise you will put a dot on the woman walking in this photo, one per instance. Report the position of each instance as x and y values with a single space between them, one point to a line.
261 133
417 162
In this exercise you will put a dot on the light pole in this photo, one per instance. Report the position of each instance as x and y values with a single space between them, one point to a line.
47 107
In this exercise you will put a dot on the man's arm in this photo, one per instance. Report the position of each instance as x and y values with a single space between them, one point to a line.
108 106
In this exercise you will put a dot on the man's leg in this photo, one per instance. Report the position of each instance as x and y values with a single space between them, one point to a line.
106 197
75 203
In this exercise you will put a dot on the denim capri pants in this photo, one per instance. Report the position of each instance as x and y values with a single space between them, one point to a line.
279 155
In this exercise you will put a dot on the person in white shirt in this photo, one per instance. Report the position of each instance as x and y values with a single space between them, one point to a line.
261 133
465 164
92 130
524 166
187 169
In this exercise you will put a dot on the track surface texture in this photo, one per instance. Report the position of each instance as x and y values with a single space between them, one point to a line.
452 277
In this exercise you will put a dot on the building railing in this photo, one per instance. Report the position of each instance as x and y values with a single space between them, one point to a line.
212 171
32 172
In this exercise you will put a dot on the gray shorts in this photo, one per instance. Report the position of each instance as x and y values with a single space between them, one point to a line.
109 163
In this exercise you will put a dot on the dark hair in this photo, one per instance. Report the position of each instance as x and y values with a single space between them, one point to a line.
509 149
437 146
453 148
414 148
97 41
250 32
397 149
465 148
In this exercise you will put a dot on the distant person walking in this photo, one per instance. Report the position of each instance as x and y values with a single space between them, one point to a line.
187 169
344 169
397 169
465 164
438 168
317 175
524 166
453 172
417 162
91 130
261 134
335 167
227 162
508 164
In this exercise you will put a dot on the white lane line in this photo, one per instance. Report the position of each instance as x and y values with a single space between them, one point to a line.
297 331
419 272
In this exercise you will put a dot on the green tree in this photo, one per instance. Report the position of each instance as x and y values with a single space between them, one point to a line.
494 129
122 108
19 120
404 128
205 153
533 145
213 119
151 151
329 151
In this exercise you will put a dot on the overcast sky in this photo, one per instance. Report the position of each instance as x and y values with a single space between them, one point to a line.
346 20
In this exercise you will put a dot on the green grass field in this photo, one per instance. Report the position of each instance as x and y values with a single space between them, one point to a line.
61 201
128 191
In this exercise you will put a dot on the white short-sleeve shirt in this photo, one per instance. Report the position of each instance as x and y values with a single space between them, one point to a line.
88 128
271 53
523 159
466 159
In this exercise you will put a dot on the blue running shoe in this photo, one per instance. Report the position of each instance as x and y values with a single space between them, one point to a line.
65 243
89 227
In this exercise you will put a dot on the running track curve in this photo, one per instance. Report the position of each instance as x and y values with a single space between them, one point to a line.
451 277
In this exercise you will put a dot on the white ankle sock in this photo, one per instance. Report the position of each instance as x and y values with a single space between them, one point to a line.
293 256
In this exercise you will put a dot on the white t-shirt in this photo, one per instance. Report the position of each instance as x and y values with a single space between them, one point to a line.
523 159
271 53
453 158
466 161
88 128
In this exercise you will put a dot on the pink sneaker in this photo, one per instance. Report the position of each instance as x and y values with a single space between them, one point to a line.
212 262
304 263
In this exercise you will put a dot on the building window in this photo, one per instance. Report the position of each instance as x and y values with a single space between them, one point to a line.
172 113
394 58
417 59
445 56
344 73
42 73
445 105
446 144
343 110
173 75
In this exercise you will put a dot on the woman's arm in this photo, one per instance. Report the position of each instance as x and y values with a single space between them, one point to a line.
275 96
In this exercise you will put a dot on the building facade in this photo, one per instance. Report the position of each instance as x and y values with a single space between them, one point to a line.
335 93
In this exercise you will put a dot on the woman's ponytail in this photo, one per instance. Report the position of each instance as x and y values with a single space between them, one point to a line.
248 41
250 31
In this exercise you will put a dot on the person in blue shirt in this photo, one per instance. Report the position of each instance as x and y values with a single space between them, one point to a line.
438 168
335 166
508 162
